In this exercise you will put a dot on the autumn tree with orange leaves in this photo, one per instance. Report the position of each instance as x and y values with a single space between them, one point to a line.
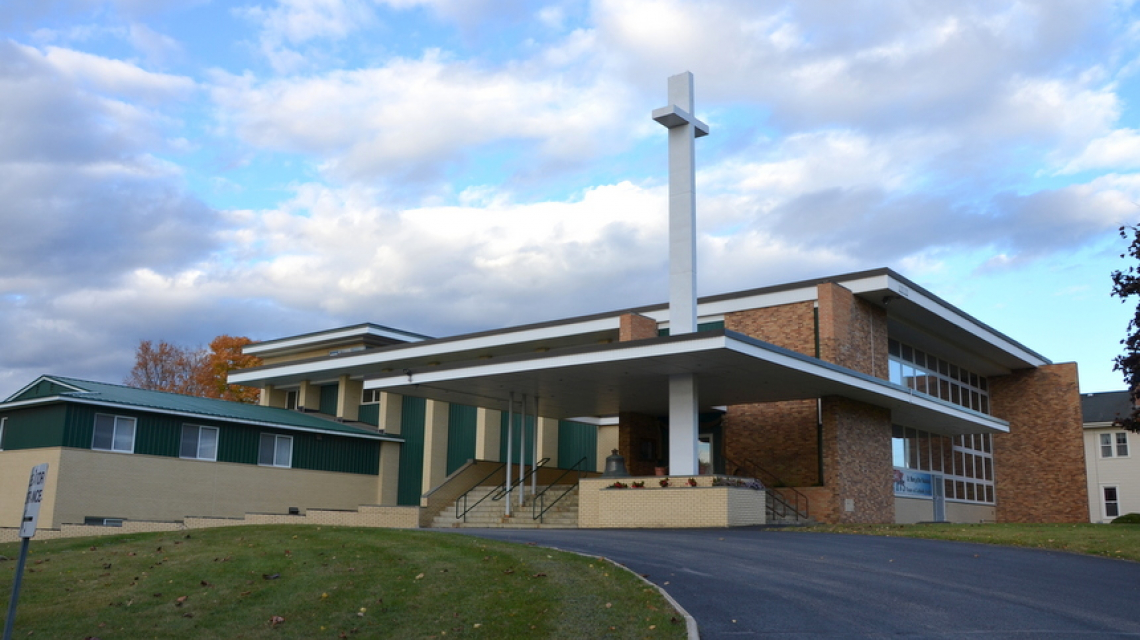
195 372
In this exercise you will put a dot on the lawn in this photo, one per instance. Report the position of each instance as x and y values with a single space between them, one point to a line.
324 582
1110 540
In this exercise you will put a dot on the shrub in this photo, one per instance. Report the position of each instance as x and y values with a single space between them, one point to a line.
1128 518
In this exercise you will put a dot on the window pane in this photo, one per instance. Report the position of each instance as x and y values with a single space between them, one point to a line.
1106 445
284 452
189 448
124 434
989 493
208 443
1110 494
1121 444
1111 509
265 450
104 432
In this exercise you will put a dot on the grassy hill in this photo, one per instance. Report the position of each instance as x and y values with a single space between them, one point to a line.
324 582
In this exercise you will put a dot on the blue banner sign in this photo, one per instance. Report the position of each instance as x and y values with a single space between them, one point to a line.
913 484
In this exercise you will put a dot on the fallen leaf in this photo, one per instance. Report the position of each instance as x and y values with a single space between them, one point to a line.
419 576
276 620
180 600
270 576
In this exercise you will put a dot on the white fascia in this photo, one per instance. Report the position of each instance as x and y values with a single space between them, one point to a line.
966 323
427 349
350 332
553 362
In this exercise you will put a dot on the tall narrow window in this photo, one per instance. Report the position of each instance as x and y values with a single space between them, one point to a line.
291 400
113 433
1122 444
275 451
199 443
1111 502
3 421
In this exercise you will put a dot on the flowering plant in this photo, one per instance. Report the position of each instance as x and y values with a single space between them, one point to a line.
663 482
692 482
619 485
640 484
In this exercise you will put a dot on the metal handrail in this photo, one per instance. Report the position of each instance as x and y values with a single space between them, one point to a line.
502 491
777 493
541 495
463 497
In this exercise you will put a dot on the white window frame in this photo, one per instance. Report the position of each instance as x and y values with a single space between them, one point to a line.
1111 446
117 423
277 442
1104 501
198 443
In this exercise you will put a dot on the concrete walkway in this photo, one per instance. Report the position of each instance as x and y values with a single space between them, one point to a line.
756 582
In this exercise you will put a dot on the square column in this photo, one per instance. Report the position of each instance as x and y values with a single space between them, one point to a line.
684 429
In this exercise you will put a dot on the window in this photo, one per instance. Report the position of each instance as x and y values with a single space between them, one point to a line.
370 396
1114 444
1111 502
114 433
275 451
2 422
199 443
291 400
933 376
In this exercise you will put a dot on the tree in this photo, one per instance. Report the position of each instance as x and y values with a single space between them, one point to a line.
1126 284
195 372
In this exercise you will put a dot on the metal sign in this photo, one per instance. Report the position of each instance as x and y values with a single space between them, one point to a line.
36 484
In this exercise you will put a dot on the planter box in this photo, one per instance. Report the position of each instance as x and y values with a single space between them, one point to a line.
680 506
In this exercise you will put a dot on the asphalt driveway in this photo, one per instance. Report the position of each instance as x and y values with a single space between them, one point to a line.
757 582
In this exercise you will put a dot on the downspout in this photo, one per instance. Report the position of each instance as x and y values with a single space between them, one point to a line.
819 439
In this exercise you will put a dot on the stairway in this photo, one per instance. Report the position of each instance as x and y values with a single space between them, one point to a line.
489 513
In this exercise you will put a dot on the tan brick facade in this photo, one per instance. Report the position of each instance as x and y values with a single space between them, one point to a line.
1039 466
857 462
677 506
791 326
852 332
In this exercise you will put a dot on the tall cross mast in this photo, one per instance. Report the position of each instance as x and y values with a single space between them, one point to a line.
684 129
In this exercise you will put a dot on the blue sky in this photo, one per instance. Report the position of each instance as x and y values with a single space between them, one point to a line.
178 170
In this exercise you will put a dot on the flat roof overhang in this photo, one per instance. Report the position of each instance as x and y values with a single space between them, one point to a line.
731 368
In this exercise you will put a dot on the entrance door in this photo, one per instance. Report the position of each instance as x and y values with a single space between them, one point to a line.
938 487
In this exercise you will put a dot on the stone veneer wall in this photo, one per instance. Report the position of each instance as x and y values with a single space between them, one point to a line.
632 430
1039 466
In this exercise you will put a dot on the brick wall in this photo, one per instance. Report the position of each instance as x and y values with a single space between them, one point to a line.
636 327
779 437
857 461
791 326
633 430
852 332
1039 466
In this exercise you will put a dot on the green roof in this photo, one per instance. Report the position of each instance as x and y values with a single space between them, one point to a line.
163 402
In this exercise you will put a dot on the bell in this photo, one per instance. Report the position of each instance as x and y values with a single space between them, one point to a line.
615 466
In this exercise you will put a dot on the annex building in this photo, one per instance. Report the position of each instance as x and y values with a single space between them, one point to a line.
1113 472
859 398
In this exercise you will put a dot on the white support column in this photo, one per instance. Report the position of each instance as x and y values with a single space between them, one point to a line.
684 429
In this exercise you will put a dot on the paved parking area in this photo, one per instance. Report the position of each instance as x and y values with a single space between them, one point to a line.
757 582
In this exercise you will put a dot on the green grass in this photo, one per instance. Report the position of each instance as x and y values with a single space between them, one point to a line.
1110 540
324 582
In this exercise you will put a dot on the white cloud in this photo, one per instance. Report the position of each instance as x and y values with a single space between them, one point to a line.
116 77
399 118
1118 150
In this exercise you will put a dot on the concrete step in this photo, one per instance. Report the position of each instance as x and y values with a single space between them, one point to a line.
490 513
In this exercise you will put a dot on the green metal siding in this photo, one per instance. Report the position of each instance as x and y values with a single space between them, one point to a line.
370 414
410 488
575 440
34 427
328 399
43 389
461 421
72 425
704 326
516 440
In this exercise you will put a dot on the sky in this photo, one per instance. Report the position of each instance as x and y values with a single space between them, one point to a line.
176 170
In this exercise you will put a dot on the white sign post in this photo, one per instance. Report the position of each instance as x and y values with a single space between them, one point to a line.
36 484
